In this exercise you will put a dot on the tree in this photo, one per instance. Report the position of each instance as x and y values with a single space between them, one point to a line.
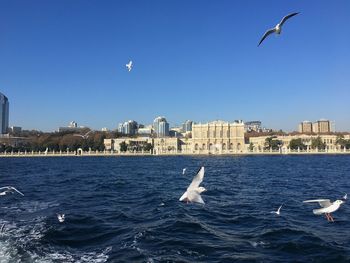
271 142
295 144
318 143
147 147
251 146
123 146
341 141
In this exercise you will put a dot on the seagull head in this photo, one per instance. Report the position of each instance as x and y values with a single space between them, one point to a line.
201 189
339 202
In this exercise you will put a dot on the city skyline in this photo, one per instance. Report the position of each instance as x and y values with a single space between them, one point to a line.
64 61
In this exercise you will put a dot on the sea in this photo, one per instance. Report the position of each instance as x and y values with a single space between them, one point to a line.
127 209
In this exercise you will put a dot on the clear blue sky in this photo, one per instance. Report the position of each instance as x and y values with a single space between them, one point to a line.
193 59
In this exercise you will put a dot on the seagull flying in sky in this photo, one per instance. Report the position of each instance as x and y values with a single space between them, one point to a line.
193 192
278 212
85 136
9 189
184 171
327 207
60 218
129 65
278 28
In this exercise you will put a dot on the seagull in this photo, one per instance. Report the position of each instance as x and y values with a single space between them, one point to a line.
9 189
278 212
184 171
277 29
193 192
60 218
327 207
85 136
345 196
129 65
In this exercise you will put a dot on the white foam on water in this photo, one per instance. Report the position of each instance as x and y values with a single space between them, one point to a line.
20 243
67 257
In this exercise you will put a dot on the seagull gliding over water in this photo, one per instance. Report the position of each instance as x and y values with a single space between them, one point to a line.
327 207
61 217
278 28
278 212
193 192
9 189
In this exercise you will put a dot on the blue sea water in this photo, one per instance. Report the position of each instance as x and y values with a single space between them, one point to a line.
126 209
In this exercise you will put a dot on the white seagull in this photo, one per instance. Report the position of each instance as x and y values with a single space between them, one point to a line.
129 65
278 212
278 28
327 207
345 196
60 218
193 192
85 136
9 189
184 170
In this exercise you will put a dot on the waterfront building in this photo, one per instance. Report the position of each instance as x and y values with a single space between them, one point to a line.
132 143
305 127
165 145
7 139
4 114
72 127
321 126
176 132
145 131
15 129
218 136
161 127
328 139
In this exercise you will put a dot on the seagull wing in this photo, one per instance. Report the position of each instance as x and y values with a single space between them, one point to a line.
183 197
17 191
284 19
197 179
268 32
5 187
322 202
279 209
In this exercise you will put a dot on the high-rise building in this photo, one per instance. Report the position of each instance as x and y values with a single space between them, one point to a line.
305 127
128 127
321 126
187 126
161 127
4 113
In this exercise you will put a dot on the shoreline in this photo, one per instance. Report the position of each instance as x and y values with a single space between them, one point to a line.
118 154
